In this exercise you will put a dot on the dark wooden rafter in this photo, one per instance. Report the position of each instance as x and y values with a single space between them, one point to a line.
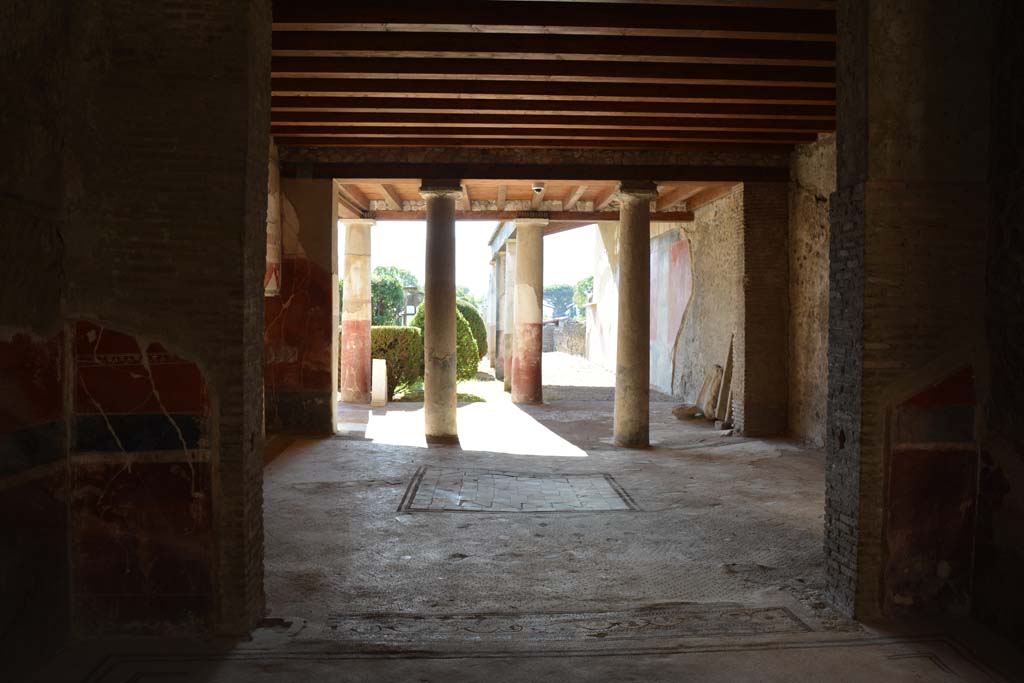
542 46
357 133
704 20
758 75
578 217
385 170
588 91
286 122
603 74
609 109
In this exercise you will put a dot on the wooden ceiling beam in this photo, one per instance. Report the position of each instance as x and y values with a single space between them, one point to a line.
589 91
391 196
767 146
284 119
553 106
558 18
554 70
354 196
708 195
347 209
674 195
605 197
555 228
411 171
572 197
581 217
350 134
543 46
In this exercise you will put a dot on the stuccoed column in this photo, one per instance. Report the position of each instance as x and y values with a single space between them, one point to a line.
501 321
632 370
439 347
508 338
527 386
356 316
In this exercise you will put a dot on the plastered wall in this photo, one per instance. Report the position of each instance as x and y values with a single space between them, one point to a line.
812 181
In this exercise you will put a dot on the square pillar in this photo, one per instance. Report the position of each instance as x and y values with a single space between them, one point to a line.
356 317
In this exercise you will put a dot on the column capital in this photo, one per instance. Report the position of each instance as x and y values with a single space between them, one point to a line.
440 187
358 221
531 220
638 189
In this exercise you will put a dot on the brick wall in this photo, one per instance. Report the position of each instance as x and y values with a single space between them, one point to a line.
139 191
740 292
907 265
761 347
999 598
812 181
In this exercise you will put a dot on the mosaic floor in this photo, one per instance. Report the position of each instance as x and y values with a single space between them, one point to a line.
437 489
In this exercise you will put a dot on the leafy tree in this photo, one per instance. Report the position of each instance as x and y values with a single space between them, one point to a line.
467 354
341 294
401 274
560 298
463 294
387 300
581 295
476 324
402 348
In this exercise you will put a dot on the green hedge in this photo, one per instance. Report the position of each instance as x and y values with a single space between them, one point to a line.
402 348
476 324
468 354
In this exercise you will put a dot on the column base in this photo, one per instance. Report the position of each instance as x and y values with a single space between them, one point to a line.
443 440
631 441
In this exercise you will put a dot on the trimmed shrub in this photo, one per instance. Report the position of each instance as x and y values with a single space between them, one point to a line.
402 348
468 355
476 324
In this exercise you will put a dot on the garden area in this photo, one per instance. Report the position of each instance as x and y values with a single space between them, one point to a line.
402 345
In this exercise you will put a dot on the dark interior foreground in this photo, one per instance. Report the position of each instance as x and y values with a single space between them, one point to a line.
181 495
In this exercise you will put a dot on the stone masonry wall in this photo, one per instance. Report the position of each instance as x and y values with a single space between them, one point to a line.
135 197
812 181
713 314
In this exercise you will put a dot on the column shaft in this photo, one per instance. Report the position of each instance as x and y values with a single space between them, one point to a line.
500 320
529 312
509 308
632 371
356 315
440 359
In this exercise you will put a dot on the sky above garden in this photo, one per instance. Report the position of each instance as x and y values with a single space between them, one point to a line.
568 256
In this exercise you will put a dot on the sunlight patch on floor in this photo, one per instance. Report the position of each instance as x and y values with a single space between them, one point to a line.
496 426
